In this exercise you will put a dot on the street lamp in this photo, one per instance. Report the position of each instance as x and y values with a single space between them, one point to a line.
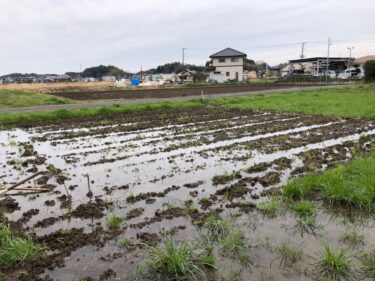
350 56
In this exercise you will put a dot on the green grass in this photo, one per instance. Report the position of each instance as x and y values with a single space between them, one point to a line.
304 208
175 261
368 260
336 266
352 236
235 246
16 98
126 243
289 255
270 208
217 228
351 101
13 118
114 222
350 185
15 250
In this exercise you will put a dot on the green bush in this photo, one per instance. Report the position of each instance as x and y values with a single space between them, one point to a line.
369 68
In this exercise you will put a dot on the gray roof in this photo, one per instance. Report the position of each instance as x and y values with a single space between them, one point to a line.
228 52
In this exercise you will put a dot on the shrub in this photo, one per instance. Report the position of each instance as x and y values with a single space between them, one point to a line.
369 68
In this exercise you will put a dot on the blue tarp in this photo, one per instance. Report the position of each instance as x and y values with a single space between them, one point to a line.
135 82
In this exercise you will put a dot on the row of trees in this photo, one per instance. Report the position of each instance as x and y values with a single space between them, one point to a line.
103 70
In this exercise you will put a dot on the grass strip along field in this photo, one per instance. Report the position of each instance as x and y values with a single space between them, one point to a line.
18 98
352 101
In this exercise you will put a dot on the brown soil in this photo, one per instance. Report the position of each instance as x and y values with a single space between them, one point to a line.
169 93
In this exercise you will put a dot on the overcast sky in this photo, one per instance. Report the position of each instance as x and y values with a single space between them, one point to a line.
56 36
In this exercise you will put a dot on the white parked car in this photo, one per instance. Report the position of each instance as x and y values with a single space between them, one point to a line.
346 74
331 74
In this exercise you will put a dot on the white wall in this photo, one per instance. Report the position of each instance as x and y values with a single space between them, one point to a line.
232 72
228 62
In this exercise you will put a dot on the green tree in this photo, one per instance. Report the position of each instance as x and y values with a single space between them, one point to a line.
369 68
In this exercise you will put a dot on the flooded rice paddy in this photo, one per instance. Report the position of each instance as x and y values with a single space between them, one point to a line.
156 170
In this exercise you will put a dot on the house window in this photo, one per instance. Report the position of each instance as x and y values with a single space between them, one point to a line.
221 60
228 73
217 72
235 59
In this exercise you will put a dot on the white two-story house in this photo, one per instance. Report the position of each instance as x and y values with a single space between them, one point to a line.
227 65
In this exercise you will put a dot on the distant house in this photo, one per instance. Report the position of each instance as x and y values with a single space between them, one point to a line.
227 65
109 78
186 76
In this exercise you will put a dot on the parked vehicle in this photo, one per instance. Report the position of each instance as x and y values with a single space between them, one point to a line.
346 74
331 74
361 73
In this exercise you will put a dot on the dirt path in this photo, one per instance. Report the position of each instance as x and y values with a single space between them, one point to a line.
100 103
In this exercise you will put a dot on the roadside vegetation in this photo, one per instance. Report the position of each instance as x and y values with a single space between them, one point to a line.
19 98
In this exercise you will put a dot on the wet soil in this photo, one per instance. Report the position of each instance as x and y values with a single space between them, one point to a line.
155 171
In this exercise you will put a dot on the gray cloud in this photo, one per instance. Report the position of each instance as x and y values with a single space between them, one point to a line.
59 35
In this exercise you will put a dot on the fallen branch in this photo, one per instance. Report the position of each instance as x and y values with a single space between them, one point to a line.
3 192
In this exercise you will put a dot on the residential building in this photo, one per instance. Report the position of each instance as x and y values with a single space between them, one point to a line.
227 65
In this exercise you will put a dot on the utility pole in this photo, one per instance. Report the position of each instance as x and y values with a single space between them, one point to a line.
303 50
350 56
329 45
183 56
141 73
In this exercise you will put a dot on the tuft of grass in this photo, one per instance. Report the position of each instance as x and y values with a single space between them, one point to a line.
114 222
217 228
270 208
289 255
352 236
336 266
235 246
225 178
126 243
177 261
307 224
304 208
368 260
347 186
15 250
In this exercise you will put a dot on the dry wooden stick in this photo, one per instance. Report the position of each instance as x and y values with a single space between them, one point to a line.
2 193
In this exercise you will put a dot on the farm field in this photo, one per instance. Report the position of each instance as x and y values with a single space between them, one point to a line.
120 186
176 91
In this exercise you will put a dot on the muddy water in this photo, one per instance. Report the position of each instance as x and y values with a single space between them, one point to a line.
134 155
